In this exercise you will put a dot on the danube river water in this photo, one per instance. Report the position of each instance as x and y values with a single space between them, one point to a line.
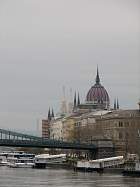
20 177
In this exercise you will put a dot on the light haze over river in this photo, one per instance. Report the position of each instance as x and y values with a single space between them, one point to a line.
20 177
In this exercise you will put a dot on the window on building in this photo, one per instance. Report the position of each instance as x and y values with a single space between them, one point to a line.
127 123
126 135
120 124
120 135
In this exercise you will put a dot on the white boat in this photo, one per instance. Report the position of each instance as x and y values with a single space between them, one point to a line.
18 159
132 165
3 161
3 158
20 163
99 164
42 160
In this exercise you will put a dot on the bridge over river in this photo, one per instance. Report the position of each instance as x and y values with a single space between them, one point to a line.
16 139
97 149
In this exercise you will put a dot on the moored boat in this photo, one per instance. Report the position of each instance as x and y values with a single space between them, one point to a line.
99 164
17 159
42 160
3 161
132 166
3 158
20 162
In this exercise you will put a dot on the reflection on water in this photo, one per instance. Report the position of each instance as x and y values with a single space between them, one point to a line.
21 177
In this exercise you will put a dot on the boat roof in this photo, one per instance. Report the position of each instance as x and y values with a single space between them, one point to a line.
49 156
107 159
16 153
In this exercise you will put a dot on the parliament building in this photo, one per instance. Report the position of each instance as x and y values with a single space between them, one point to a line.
95 120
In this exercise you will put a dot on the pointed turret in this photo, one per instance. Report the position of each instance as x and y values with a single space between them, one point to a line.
118 104
115 107
49 115
52 113
78 102
97 77
75 103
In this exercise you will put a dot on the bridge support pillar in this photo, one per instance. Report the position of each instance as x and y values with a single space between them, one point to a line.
101 153
104 149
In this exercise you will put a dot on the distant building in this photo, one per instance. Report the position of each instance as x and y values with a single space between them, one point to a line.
45 128
121 126
62 128
46 125
56 128
68 128
93 121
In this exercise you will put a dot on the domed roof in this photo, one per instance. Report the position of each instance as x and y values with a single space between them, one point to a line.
97 93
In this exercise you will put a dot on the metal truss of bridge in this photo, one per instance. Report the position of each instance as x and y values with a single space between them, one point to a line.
15 139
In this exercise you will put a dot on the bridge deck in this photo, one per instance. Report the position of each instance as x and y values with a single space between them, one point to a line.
15 139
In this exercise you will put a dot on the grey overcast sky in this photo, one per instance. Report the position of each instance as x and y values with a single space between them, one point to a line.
45 44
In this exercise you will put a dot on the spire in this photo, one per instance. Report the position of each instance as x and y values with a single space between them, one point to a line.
97 77
52 113
78 102
115 107
118 104
49 115
75 100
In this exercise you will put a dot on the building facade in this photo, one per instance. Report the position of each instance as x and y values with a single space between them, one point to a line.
121 126
56 129
45 128
69 128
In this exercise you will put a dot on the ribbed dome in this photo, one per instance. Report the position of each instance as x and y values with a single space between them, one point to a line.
98 94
